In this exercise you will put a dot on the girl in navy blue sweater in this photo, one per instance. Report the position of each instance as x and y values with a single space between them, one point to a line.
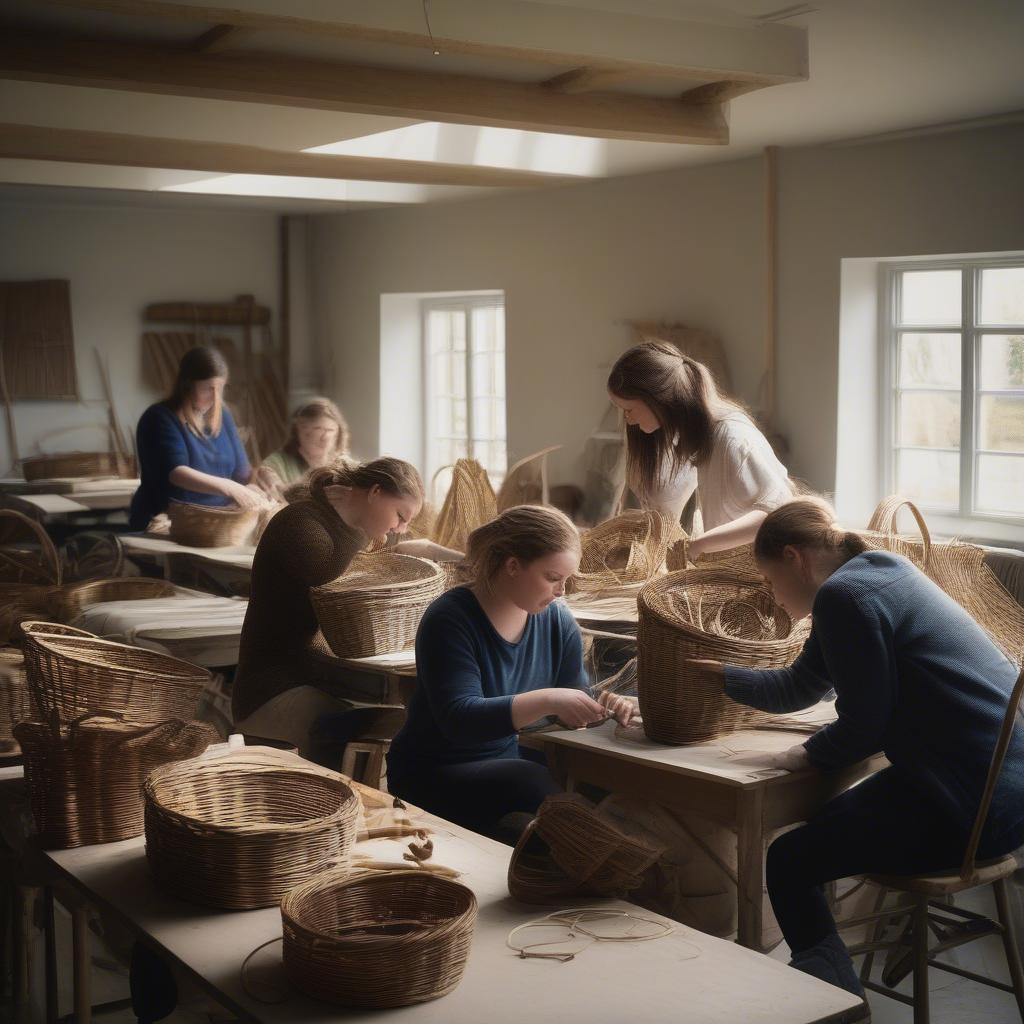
915 678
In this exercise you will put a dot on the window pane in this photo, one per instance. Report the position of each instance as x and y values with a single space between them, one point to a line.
930 297
929 478
930 360
1001 423
447 329
486 330
1002 295
444 417
929 419
1001 484
483 374
1002 361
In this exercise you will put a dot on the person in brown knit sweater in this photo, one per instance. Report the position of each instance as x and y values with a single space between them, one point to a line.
281 684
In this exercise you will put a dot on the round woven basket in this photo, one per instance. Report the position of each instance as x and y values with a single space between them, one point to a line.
210 526
706 613
74 597
238 833
375 940
628 549
85 782
15 699
71 672
376 607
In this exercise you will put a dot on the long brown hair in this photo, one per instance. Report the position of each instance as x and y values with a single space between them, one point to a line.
314 409
393 476
806 522
198 364
525 532
684 398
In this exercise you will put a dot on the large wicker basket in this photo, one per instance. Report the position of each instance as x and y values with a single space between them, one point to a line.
73 464
72 672
75 597
625 550
374 940
706 613
210 526
85 782
15 699
238 832
376 606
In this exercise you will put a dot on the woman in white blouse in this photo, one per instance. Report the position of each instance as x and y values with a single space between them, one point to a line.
678 423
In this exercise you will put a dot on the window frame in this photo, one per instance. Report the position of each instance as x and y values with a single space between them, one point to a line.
970 331
467 304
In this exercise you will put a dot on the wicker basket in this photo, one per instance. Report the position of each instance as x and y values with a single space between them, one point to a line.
626 550
75 597
376 607
15 698
85 782
29 578
715 613
238 832
375 940
71 672
470 503
534 877
210 526
73 464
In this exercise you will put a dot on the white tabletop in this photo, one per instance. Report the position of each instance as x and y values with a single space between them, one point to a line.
687 976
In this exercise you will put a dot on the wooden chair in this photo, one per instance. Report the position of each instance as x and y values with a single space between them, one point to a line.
926 904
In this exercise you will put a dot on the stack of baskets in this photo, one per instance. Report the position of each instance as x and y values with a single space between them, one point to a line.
376 606
210 526
715 612
626 550
103 716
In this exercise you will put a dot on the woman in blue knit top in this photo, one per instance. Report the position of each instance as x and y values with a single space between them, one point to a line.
188 445
915 678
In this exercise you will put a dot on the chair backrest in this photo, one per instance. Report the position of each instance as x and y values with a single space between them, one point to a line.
995 767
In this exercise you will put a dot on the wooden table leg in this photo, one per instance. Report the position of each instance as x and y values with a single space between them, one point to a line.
24 944
750 867
82 963
50 941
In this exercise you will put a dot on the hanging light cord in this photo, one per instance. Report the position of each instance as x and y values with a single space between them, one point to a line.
430 31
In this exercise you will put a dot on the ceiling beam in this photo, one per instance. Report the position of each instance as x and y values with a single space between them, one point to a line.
717 92
32 142
218 38
557 36
585 80
292 81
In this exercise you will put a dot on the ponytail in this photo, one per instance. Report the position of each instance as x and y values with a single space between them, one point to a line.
805 522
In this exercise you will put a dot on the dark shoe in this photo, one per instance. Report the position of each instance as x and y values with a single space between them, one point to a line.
829 961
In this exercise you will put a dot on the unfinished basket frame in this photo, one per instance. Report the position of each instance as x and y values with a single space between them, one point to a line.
376 606
627 550
238 832
210 526
470 503
373 940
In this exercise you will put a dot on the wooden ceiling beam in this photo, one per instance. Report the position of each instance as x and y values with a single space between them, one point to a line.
581 80
32 142
326 85
717 92
220 37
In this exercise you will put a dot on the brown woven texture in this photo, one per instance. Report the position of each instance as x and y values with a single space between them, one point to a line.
534 877
209 526
375 607
625 550
15 698
85 782
713 612
470 503
71 672
73 464
374 940
30 572
958 568
74 597
237 833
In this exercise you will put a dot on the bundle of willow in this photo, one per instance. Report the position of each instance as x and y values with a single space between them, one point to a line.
470 503
72 672
210 526
85 782
376 606
711 613
373 940
238 832
624 551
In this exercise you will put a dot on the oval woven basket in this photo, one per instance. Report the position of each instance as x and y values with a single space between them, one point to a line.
85 782
376 606
71 672
625 550
210 526
374 940
15 698
74 597
714 613
72 464
238 833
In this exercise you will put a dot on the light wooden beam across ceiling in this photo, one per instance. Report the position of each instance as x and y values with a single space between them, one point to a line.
298 82
220 37
31 142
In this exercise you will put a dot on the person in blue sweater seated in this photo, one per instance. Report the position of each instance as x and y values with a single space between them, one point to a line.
492 658
915 678
188 445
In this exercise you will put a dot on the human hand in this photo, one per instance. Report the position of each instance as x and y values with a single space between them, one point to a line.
244 497
623 709
794 759
575 708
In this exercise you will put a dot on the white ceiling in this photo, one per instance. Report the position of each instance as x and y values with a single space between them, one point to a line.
876 67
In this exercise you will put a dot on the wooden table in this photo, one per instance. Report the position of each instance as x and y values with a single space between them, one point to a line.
226 570
726 781
688 974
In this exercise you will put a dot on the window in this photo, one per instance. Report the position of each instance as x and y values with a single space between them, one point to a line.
464 393
955 380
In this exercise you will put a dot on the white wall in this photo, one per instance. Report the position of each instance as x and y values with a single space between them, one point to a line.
688 245
118 259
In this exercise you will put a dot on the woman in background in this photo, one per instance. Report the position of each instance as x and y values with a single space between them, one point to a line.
319 435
